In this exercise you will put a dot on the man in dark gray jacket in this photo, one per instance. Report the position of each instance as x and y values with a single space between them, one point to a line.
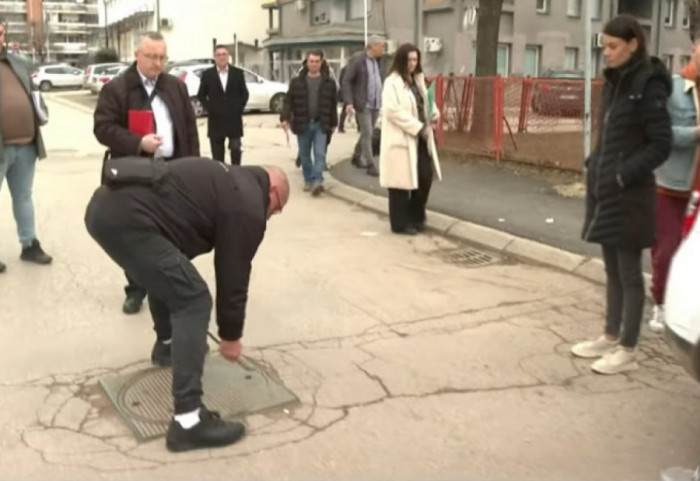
20 146
362 91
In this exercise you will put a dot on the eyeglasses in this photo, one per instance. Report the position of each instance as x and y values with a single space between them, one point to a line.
153 57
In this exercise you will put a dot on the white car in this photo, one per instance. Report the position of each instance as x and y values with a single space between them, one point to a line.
47 77
106 76
682 302
97 70
264 94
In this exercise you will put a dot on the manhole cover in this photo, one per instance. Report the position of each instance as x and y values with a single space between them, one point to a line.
468 257
143 399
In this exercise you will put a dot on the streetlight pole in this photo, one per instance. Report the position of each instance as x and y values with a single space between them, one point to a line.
365 18
588 60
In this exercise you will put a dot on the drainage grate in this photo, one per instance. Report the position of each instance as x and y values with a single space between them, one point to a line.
144 401
468 257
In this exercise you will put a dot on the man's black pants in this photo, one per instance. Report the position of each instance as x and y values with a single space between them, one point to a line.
218 152
178 296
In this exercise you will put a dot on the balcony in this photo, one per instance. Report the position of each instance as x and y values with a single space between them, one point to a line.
13 7
60 7
125 10
16 27
69 47
67 27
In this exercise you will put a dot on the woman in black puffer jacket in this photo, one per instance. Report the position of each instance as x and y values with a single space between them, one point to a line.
635 138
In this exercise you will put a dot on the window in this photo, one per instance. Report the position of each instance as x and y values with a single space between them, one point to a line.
570 58
249 77
320 12
503 60
573 8
668 61
531 63
669 13
542 6
356 9
686 16
597 7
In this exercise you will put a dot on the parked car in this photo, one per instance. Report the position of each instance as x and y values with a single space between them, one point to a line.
95 71
107 76
186 63
265 95
559 93
682 301
47 77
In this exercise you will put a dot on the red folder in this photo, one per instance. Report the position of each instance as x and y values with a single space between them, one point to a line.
141 122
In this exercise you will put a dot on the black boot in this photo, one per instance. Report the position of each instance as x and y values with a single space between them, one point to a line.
34 253
161 355
3 267
132 303
236 155
210 432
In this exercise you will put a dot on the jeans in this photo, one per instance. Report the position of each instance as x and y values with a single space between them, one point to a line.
625 294
669 226
367 119
178 296
18 167
312 138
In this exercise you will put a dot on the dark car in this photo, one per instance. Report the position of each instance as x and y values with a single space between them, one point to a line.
559 93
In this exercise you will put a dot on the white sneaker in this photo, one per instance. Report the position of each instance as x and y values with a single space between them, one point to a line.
656 323
593 349
615 362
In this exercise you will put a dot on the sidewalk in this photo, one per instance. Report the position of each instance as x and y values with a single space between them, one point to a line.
500 197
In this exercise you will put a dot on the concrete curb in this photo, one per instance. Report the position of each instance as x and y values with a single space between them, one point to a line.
509 245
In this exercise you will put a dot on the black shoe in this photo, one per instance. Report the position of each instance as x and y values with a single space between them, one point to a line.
372 170
161 355
132 303
34 253
419 226
3 267
210 432
407 231
356 161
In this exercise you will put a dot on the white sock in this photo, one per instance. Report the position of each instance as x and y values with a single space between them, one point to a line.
188 420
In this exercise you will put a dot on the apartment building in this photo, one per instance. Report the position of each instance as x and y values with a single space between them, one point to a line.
190 27
535 35
52 31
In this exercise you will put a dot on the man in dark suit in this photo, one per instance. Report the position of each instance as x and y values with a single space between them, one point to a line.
144 86
224 94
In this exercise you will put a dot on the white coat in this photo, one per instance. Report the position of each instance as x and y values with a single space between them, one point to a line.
398 156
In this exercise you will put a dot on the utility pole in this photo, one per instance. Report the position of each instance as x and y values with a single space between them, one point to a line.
365 17
588 60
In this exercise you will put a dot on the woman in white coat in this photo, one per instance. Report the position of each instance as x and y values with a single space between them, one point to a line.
408 156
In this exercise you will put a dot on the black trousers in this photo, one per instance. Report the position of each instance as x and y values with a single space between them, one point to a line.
218 152
624 293
132 289
179 299
407 207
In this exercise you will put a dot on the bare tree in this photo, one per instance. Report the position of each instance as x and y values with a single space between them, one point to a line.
487 30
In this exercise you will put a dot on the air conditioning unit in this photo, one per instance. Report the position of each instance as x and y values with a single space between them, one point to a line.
166 23
300 5
598 40
390 47
432 44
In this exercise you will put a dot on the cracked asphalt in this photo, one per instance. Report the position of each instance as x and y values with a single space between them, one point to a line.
406 367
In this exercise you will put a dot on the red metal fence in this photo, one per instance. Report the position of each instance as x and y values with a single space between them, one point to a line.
537 121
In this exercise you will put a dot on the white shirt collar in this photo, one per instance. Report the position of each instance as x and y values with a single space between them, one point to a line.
224 70
145 80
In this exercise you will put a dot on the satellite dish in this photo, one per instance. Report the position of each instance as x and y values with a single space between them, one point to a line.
469 18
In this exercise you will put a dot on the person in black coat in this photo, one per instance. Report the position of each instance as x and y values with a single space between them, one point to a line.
310 113
634 140
224 94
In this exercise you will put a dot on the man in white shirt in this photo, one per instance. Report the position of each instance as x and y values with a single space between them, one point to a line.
224 95
124 110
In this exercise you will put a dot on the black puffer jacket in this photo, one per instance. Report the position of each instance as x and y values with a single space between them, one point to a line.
296 102
635 138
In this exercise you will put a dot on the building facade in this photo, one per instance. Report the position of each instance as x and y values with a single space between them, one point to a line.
190 27
535 35
52 31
